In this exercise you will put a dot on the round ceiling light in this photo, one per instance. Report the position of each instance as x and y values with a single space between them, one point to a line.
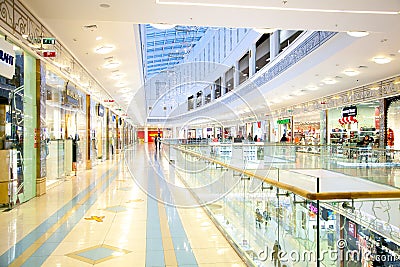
358 34
104 49
162 26
351 73
117 75
381 60
124 90
329 81
312 88
98 38
111 64
121 84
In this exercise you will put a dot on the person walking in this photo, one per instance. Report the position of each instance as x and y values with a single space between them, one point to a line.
159 141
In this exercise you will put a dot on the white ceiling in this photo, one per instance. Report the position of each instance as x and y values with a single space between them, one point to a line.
117 26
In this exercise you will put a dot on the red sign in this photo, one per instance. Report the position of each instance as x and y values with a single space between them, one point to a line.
352 229
49 53
109 100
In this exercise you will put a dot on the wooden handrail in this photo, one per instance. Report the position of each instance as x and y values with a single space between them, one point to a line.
299 191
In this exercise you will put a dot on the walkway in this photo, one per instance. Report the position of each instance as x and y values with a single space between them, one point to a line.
104 217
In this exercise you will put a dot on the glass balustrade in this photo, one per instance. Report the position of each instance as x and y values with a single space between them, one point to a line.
258 197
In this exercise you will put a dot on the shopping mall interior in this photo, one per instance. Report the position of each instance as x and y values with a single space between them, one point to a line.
200 133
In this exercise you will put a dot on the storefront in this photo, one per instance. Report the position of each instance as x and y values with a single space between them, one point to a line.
350 124
366 248
98 125
65 131
283 128
18 137
306 132
393 123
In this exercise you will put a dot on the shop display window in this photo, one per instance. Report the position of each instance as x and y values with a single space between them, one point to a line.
393 125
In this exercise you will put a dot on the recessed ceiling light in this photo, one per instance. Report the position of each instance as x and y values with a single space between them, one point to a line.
105 5
111 65
298 93
124 90
16 48
351 72
312 88
98 38
264 30
381 60
118 75
104 49
162 26
25 36
329 81
121 84
288 97
358 33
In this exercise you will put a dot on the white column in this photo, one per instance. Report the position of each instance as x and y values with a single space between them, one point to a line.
274 44
236 73
213 92
252 60
146 133
223 81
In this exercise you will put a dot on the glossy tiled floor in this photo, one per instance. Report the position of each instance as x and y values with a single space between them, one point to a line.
104 217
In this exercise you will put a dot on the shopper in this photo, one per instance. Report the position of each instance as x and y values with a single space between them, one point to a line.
284 138
266 218
276 254
259 218
159 141
156 141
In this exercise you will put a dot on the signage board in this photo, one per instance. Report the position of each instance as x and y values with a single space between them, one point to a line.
100 110
7 59
49 53
284 121
48 41
349 111
109 100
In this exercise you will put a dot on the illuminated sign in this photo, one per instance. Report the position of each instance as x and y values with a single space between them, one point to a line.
7 59
49 53
284 121
349 111
48 41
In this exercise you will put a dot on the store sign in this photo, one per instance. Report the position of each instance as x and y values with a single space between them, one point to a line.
284 121
49 53
352 229
349 111
7 59
100 110
109 101
71 96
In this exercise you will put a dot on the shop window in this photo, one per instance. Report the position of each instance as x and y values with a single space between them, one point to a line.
217 85
191 102
393 125
262 51
244 68
287 38
207 95
229 80
199 99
